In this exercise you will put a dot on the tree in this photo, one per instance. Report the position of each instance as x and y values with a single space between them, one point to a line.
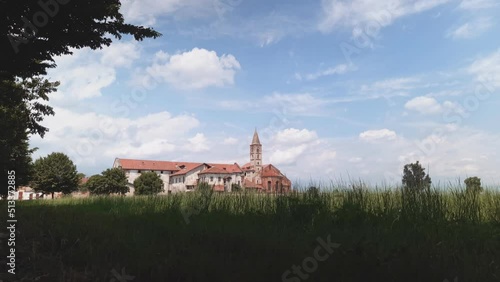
473 184
34 32
21 110
110 181
97 185
55 173
149 183
415 178
116 181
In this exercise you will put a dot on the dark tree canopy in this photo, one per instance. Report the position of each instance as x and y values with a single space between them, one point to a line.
97 185
55 173
116 181
21 112
415 178
34 32
473 184
110 181
149 183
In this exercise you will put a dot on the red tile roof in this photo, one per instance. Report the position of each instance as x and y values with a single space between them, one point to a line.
222 169
153 165
187 168
271 171
247 166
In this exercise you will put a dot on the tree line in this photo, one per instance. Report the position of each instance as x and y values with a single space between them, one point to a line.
57 173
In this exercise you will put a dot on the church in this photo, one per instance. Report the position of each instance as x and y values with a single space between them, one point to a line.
186 176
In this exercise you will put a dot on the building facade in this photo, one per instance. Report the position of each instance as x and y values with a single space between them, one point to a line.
186 176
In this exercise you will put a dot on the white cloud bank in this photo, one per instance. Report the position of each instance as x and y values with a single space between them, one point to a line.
195 69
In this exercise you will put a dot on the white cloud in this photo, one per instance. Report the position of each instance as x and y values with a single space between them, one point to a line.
424 105
287 156
120 54
195 69
339 69
477 4
295 136
375 135
393 84
471 29
86 72
92 138
355 13
198 143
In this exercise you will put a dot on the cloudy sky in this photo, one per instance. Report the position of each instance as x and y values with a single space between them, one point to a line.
337 89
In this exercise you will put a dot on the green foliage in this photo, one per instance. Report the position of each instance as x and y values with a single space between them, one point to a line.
236 188
116 181
110 181
97 185
415 178
149 183
55 173
473 184
442 235
312 191
203 187
21 112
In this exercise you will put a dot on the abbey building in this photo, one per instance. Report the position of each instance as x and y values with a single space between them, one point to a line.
185 176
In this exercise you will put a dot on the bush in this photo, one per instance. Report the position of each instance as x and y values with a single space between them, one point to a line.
473 184
149 183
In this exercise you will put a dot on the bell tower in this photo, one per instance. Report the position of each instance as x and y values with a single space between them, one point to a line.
256 152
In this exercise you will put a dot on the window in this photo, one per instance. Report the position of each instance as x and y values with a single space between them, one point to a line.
218 179
138 171
211 179
183 179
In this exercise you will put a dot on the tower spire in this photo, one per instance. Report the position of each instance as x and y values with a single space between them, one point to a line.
255 139
256 152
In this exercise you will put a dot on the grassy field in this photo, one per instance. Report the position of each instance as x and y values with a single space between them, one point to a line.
343 235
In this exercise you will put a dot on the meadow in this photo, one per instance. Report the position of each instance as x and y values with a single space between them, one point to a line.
372 235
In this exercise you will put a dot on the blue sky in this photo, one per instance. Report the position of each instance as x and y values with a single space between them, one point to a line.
335 88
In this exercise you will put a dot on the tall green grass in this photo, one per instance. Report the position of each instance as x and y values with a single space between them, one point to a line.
387 234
